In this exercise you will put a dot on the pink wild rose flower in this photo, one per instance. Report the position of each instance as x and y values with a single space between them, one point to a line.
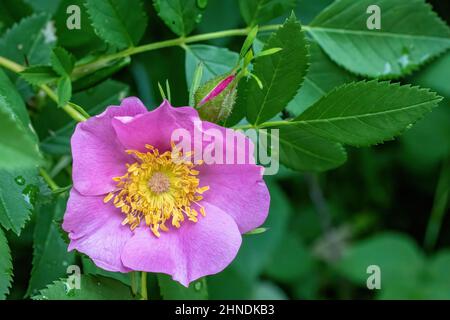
134 207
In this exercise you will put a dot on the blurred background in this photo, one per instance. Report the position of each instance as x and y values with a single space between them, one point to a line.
386 206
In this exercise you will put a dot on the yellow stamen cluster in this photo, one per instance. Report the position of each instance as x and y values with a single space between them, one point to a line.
158 188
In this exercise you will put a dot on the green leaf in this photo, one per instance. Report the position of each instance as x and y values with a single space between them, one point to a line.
12 11
64 91
62 61
50 256
410 35
290 261
29 40
44 5
303 151
18 194
90 268
121 23
95 100
216 61
6 266
38 75
323 75
181 16
391 252
281 74
14 101
365 113
17 146
258 11
91 288
435 76
172 290
257 250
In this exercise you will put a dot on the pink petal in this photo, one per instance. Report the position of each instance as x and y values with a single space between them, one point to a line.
189 253
97 154
95 229
154 127
237 189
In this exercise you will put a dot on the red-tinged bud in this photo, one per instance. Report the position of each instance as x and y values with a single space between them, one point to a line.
215 99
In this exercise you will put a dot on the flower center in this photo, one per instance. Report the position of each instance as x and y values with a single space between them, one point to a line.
158 188
159 182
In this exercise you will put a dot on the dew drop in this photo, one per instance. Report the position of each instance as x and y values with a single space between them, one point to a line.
19 180
198 18
198 286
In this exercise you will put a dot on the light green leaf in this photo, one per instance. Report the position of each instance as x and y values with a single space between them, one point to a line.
50 256
121 23
391 252
91 288
18 194
6 266
216 61
323 75
411 34
29 40
181 16
258 11
365 113
38 75
95 101
303 151
281 74
172 290
18 147
62 61
64 91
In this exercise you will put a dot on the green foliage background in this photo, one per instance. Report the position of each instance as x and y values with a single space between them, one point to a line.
385 205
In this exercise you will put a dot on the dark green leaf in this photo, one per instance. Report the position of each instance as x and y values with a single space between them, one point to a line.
181 16
303 151
50 256
38 75
290 261
172 290
365 113
323 75
281 74
31 40
258 11
18 194
62 61
91 288
64 91
90 268
121 23
5 266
